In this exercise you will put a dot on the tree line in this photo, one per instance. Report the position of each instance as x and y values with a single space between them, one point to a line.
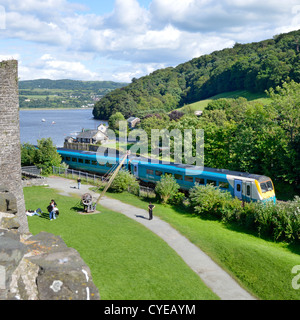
255 67
68 84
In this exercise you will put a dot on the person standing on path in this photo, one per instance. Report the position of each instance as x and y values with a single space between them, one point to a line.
151 207
79 182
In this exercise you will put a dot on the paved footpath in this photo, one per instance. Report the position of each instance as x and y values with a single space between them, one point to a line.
211 274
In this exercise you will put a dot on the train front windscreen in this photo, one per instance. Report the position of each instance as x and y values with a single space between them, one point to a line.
266 186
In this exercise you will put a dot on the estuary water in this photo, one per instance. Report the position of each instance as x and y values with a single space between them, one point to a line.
56 124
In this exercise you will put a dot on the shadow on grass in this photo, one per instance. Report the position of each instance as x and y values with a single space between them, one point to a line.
45 215
78 207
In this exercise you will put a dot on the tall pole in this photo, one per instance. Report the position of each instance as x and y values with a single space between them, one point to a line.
112 178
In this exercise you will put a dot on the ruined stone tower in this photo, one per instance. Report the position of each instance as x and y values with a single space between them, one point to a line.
10 153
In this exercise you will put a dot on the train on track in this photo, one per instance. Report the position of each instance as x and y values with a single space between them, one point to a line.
244 186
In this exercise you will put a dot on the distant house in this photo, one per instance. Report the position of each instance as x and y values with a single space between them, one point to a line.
133 121
91 136
87 140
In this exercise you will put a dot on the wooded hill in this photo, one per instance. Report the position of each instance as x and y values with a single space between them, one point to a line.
45 93
255 67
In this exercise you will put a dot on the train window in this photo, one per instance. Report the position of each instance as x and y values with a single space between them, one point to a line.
212 182
238 187
63 158
101 164
224 185
200 181
178 177
169 174
74 159
266 186
189 179
87 161
94 163
68 159
80 160
269 185
109 165
158 173
151 172
248 191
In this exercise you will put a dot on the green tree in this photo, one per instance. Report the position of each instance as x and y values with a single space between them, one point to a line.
114 120
125 181
286 100
167 188
28 153
47 156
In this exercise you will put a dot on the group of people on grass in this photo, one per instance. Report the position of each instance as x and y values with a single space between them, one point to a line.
54 212
52 209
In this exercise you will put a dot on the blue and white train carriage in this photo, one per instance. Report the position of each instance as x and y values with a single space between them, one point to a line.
244 186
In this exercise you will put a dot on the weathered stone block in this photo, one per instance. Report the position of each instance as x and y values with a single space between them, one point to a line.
11 253
42 267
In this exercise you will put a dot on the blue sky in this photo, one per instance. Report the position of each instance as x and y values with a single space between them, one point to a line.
122 39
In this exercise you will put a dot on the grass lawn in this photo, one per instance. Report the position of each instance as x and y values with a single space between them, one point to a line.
261 266
127 261
202 104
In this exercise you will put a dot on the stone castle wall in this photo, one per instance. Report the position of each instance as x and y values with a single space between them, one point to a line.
10 153
39 267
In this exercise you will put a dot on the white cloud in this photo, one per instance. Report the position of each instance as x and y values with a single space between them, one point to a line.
211 16
169 32
49 67
31 28
129 15
15 56
42 8
136 70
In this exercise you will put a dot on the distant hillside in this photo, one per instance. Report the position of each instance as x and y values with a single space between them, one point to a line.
45 93
254 67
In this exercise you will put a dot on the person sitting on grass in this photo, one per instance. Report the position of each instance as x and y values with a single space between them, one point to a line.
31 213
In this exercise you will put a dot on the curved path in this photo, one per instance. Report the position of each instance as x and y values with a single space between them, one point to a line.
222 284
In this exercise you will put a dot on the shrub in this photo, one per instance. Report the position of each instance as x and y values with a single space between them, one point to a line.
280 221
167 188
208 200
125 181
177 199
292 227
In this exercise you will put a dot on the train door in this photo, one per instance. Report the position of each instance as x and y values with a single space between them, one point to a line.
136 169
238 188
248 191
